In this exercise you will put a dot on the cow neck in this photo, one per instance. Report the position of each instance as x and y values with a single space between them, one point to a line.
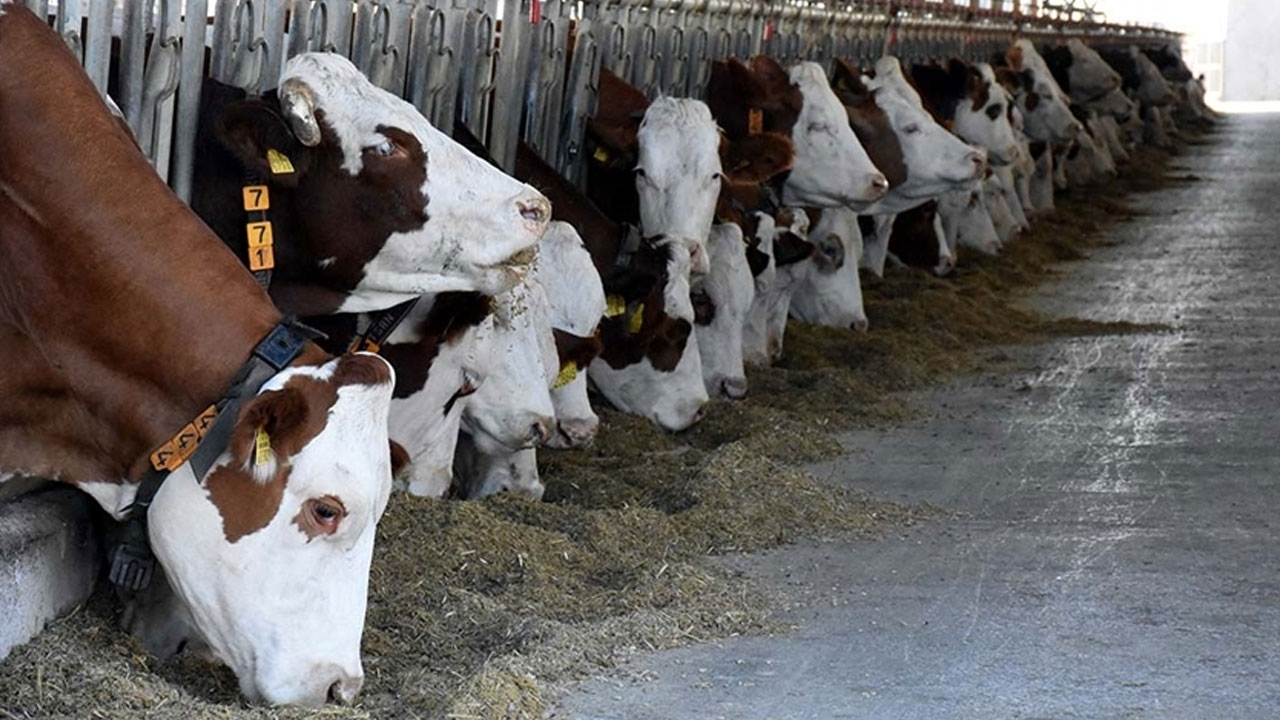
126 317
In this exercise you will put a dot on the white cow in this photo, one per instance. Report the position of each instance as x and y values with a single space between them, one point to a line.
831 294
576 299
721 302
1046 115
831 167
966 221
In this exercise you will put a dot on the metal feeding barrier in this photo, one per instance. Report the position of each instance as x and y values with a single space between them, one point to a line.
515 70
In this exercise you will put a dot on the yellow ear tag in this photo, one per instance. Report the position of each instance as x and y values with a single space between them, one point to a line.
601 155
614 305
261 447
568 372
279 162
755 121
637 320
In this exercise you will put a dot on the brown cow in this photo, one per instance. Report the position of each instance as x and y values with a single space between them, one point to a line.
123 320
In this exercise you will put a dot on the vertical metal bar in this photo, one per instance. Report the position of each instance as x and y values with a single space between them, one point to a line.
509 83
97 52
194 26
133 50
70 13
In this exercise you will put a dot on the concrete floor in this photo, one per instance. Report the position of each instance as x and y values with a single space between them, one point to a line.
1118 552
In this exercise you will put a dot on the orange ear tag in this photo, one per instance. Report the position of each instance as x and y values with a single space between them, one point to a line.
755 121
261 256
256 197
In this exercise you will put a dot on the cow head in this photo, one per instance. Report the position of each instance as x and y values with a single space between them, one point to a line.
1153 88
1044 105
512 409
832 168
1080 71
832 294
917 238
388 206
1115 104
576 299
1002 214
936 160
678 174
720 304
271 552
984 119
649 364
966 221
781 239
870 123
481 474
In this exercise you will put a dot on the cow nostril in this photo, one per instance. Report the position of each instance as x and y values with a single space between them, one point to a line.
536 210
860 325
880 182
734 388
344 691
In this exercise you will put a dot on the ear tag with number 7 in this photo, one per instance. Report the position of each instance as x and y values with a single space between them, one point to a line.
256 198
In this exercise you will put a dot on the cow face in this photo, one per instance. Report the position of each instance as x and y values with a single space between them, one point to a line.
649 364
512 410
483 474
1002 214
720 304
365 160
966 221
1116 104
983 118
832 293
271 552
576 299
1152 88
831 167
678 175
1089 162
1046 115
1090 76
936 160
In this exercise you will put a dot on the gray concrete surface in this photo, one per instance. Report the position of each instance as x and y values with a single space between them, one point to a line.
49 560
1117 552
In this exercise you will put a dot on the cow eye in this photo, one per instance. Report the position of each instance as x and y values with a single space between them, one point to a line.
911 129
325 513
640 172
817 127
994 111
716 177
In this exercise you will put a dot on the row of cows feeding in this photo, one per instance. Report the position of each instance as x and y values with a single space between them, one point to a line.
464 312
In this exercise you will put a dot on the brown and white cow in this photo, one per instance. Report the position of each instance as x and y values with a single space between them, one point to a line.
123 319
370 205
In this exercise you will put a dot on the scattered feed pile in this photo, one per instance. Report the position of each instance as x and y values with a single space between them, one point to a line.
474 606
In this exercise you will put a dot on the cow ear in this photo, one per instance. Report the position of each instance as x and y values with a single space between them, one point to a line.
400 459
271 428
1014 57
756 158
620 138
255 133
789 248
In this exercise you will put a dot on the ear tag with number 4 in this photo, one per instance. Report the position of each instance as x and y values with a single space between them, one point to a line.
261 447
278 162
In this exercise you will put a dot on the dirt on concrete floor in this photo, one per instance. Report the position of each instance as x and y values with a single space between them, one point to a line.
474 607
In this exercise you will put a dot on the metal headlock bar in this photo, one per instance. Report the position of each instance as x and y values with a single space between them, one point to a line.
517 70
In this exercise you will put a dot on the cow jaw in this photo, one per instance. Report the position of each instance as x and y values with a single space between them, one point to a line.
480 224
831 168
278 597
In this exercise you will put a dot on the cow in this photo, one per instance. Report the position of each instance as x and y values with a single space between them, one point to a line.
577 303
1041 184
1140 76
647 365
1080 71
116 380
1044 106
831 294
440 360
1006 221
369 205
963 98
721 301
511 412
966 221
783 239
935 160
830 166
